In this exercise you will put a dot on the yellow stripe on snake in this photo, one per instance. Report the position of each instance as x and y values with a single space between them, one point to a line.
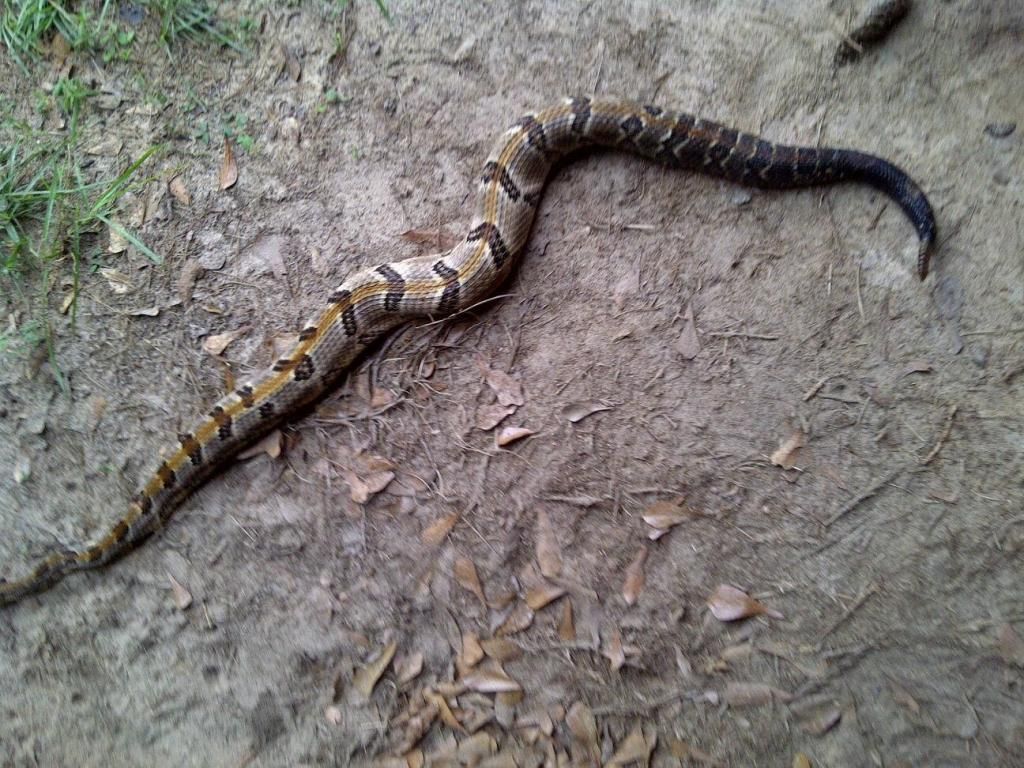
375 300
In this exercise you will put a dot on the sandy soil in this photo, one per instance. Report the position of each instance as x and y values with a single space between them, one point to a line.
892 550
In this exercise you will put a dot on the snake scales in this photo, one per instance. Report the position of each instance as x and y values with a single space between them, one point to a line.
373 301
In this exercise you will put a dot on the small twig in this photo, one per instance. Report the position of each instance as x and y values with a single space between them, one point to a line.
816 388
993 332
943 437
740 335
854 503
860 301
872 588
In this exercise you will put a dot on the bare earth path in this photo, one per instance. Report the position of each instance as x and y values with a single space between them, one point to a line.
710 323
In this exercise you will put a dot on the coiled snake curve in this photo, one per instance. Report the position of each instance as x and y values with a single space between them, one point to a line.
375 300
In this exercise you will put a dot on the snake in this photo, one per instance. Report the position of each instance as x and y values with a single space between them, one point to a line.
375 300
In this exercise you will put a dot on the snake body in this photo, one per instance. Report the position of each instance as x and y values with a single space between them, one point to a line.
374 300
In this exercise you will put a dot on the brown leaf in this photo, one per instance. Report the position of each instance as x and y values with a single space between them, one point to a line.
508 389
182 597
492 680
788 449
917 366
507 435
613 650
519 619
688 344
635 748
443 710
753 694
472 653
501 649
664 515
438 531
468 579
633 584
218 342
800 760
270 444
728 603
177 188
576 412
365 678
543 594
119 282
566 628
362 489
549 553
228 167
583 727
823 722
408 667
490 416
1011 647
439 238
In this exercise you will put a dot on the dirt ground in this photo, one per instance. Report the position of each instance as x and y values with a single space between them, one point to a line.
712 322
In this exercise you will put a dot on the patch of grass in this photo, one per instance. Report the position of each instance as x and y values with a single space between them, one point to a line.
190 20
27 25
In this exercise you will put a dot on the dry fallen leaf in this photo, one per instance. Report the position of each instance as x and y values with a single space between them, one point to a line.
822 722
362 489
468 579
664 515
508 435
218 342
366 677
738 694
119 282
179 190
688 343
788 449
438 531
543 594
508 390
117 243
490 416
182 597
549 553
520 618
635 748
633 584
566 628
440 239
228 167
917 366
613 650
443 710
492 680
583 727
501 649
800 760
408 667
728 603
576 412
1011 647
472 652
270 444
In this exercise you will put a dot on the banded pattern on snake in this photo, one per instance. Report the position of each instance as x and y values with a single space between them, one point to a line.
375 300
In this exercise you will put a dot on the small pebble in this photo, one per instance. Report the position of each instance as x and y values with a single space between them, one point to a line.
1000 130
740 197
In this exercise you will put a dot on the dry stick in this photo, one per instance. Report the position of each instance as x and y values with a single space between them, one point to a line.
872 588
741 335
854 503
943 437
